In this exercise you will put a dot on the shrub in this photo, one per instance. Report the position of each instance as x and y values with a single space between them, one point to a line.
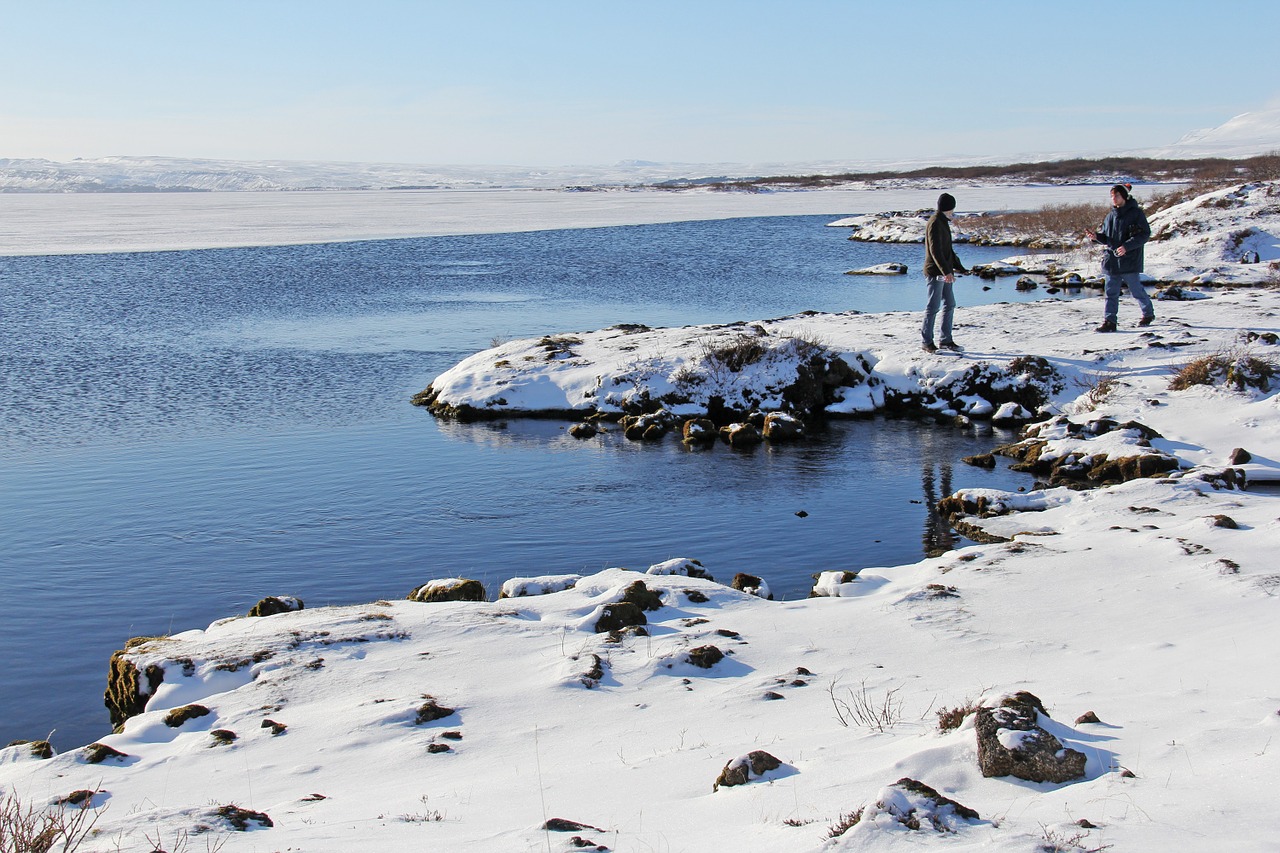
738 352
1238 370
24 828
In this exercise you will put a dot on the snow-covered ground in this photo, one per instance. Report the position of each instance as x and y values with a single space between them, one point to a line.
516 725
1205 238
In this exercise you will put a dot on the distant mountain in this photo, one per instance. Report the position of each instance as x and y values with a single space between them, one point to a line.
1246 135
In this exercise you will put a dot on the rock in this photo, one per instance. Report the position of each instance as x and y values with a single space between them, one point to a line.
449 589
96 753
881 269
1087 717
981 460
746 768
1025 284
41 749
584 430
239 818
276 728
752 585
273 604
680 566
430 710
741 435
223 737
619 615
780 426
699 431
1224 521
643 597
125 696
559 824
520 587
1240 456
82 798
830 584
705 657
1012 743
912 805
178 716
435 748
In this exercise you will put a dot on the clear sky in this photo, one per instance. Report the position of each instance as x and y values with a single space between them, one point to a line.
563 82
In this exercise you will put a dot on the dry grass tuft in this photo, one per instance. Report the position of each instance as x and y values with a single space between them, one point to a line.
1234 369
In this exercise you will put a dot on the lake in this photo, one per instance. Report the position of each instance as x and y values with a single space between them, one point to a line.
186 432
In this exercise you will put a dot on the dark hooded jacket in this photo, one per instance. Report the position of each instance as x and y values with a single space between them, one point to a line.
1126 226
939 256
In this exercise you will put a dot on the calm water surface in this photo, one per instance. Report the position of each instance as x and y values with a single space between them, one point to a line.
187 432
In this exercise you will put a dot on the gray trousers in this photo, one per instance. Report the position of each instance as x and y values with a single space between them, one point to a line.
940 294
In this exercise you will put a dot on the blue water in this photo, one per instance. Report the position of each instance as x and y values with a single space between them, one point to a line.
187 432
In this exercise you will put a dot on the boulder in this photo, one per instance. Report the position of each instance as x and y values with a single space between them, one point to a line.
619 615
1011 742
746 768
449 589
780 426
273 604
752 585
126 695
741 435
699 431
680 566
1026 283
584 430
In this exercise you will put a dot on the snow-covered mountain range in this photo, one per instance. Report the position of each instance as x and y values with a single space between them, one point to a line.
1245 135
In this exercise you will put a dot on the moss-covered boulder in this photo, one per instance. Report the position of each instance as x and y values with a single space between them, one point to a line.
126 695
449 589
273 604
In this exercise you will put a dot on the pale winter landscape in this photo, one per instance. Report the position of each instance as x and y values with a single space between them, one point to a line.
674 706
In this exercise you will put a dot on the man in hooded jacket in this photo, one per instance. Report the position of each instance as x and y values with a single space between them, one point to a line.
940 268
1124 232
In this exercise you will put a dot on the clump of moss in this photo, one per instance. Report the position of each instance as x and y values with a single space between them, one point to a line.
178 716
223 737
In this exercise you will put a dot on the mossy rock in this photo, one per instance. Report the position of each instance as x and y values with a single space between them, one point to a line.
642 597
96 753
430 710
178 716
240 818
453 589
223 737
705 657
41 749
123 697
271 605
619 615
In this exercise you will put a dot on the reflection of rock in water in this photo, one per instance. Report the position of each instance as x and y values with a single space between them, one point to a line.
938 537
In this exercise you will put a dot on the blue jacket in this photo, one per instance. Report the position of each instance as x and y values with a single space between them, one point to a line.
1126 226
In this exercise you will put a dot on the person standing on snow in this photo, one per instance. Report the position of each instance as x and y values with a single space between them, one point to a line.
1123 232
940 268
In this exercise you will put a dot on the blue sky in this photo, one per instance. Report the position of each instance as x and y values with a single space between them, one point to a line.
545 82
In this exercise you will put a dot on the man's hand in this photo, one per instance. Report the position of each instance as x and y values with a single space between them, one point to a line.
1120 251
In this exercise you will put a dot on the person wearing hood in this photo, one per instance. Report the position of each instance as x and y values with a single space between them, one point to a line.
940 269
1123 232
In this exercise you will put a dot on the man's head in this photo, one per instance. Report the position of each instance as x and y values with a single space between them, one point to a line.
946 203
1120 194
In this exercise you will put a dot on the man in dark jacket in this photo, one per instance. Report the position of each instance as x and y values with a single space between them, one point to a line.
1124 232
940 268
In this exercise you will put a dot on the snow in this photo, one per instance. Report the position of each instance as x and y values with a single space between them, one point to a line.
1128 601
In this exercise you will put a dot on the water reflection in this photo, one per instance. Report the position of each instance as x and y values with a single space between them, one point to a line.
935 483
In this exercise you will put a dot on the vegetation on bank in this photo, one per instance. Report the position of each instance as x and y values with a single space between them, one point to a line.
1210 171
